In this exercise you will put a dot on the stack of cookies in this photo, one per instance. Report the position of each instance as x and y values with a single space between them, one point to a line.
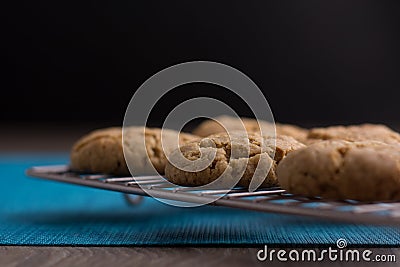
360 162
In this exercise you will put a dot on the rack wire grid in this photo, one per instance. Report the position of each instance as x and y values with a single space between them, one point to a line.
264 200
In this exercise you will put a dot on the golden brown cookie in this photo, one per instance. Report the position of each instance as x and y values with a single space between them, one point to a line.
337 169
353 133
248 160
298 133
209 127
101 151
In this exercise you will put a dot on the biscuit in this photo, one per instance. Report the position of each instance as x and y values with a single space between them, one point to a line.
338 169
353 133
209 127
223 145
102 151
298 133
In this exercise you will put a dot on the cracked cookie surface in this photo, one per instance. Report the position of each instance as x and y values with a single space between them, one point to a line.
102 151
338 169
209 127
362 132
251 155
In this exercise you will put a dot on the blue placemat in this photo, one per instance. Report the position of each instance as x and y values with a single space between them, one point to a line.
39 212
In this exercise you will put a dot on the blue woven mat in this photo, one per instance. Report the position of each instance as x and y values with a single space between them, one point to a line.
39 212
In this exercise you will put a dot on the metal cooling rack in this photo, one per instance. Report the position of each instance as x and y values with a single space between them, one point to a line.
264 200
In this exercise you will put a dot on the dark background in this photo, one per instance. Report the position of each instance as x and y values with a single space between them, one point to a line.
317 62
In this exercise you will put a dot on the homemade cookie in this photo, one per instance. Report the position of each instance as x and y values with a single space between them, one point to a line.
298 133
251 154
102 151
209 127
337 169
353 133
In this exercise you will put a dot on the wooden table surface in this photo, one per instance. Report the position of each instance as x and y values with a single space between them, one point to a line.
157 256
33 138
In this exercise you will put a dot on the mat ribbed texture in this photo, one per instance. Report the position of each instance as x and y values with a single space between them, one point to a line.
39 212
